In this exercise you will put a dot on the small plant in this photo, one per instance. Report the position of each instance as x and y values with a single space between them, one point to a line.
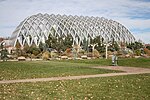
53 54
138 52
96 53
45 55
147 51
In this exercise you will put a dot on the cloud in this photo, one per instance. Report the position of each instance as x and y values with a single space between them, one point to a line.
134 14
144 35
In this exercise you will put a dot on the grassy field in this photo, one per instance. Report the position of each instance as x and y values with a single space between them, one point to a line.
43 69
39 69
131 62
140 62
132 87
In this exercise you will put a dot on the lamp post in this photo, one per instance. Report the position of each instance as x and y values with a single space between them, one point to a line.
106 48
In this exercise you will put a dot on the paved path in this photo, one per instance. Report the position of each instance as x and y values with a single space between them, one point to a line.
127 71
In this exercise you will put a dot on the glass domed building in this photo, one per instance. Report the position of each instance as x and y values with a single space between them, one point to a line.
36 28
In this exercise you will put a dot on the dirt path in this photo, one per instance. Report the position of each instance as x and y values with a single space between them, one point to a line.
127 71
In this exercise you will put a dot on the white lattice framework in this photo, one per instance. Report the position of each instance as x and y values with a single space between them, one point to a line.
36 29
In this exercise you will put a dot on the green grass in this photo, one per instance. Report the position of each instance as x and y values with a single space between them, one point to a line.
43 69
39 69
131 87
134 62
131 62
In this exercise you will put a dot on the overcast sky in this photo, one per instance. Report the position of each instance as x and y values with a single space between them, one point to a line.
133 14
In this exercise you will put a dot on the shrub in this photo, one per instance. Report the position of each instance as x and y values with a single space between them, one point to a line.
148 47
82 52
68 50
45 55
96 53
53 54
138 52
147 51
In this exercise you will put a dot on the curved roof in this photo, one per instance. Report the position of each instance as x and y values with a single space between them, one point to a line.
36 29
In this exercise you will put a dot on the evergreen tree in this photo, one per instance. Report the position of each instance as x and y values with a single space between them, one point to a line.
100 47
18 48
135 46
148 47
59 43
3 53
67 42
114 46
43 47
85 44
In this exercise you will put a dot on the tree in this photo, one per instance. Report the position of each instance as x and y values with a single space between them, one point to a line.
85 44
33 50
114 46
67 42
3 52
147 51
25 50
59 43
43 47
18 48
148 47
100 47
1 48
135 46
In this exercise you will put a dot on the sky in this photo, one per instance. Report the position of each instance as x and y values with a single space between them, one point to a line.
133 14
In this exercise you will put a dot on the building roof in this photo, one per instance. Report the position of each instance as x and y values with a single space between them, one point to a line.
36 29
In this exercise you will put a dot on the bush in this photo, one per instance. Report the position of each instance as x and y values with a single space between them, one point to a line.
96 53
32 50
138 52
53 54
147 51
148 47
82 52
68 50
45 55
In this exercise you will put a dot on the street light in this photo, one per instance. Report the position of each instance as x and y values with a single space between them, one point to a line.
106 48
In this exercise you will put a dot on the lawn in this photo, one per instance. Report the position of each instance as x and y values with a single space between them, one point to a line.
43 69
135 62
131 87
40 69
131 62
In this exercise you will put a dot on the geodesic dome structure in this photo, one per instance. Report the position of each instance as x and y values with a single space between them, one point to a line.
37 28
